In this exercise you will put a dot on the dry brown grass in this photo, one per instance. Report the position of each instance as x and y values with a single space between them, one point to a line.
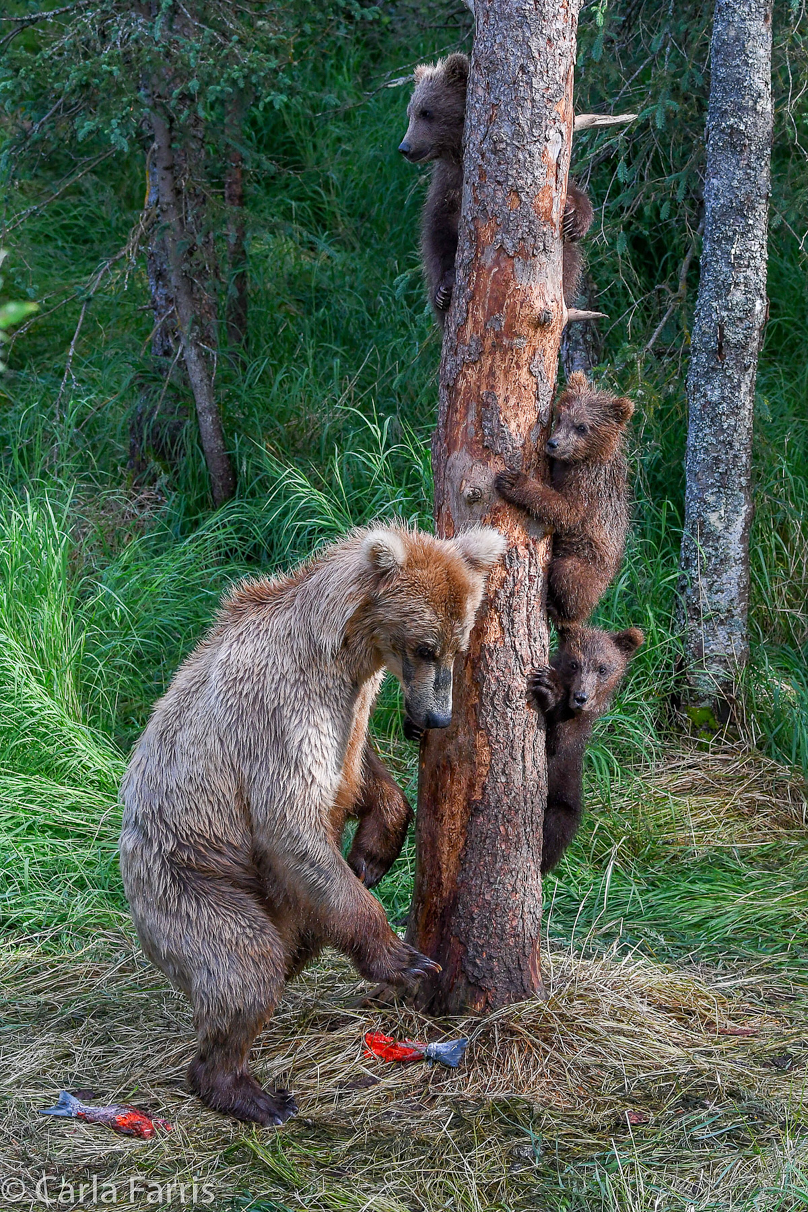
730 798
544 1085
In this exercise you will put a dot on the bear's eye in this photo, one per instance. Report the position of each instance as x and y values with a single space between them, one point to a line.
574 666
425 653
426 114
602 670
582 428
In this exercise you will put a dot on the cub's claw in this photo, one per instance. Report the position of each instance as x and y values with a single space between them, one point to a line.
507 482
577 217
286 1109
414 965
412 731
421 967
368 870
443 297
542 686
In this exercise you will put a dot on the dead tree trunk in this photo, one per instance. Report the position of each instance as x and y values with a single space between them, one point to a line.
190 315
477 904
727 334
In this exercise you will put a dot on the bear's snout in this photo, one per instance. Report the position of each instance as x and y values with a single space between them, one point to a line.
437 719
404 147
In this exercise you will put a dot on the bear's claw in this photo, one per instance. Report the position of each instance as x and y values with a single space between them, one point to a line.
412 731
573 227
543 687
369 869
443 297
506 482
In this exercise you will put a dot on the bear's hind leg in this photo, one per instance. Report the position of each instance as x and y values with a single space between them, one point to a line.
237 978
216 941
219 1073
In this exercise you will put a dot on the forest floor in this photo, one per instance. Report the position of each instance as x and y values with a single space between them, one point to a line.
655 1076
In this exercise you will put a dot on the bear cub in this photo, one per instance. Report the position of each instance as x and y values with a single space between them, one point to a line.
587 500
436 114
572 692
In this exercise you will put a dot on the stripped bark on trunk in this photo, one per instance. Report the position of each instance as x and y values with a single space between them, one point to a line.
727 333
482 790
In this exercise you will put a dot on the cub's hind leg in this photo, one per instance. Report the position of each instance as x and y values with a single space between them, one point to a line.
574 588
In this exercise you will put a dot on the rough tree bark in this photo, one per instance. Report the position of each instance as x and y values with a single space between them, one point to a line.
477 904
191 319
727 333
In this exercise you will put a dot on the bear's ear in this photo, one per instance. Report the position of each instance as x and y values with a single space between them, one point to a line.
420 71
384 550
628 641
481 547
456 68
622 408
577 382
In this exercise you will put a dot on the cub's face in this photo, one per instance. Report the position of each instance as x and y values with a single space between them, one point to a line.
423 612
436 111
588 423
591 664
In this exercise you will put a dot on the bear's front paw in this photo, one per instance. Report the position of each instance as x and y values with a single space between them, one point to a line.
402 965
543 688
508 484
411 730
370 867
576 221
443 296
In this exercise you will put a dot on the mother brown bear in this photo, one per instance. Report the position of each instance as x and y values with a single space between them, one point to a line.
236 797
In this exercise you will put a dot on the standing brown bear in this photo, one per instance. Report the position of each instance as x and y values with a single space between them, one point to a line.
436 113
587 500
572 692
237 794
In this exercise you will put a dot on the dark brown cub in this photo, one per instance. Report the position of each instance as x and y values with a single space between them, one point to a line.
586 502
436 114
572 692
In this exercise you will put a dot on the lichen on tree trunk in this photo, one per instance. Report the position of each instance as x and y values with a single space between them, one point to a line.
482 790
727 334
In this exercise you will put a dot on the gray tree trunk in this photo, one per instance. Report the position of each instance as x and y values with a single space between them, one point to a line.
727 334
482 787
193 319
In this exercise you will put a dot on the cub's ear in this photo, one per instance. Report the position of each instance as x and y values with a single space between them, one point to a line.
577 382
420 71
481 547
456 68
628 641
384 550
622 408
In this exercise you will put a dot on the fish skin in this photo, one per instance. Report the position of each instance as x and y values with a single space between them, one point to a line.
129 1121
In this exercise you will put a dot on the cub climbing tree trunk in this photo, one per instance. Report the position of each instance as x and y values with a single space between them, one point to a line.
727 334
477 904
